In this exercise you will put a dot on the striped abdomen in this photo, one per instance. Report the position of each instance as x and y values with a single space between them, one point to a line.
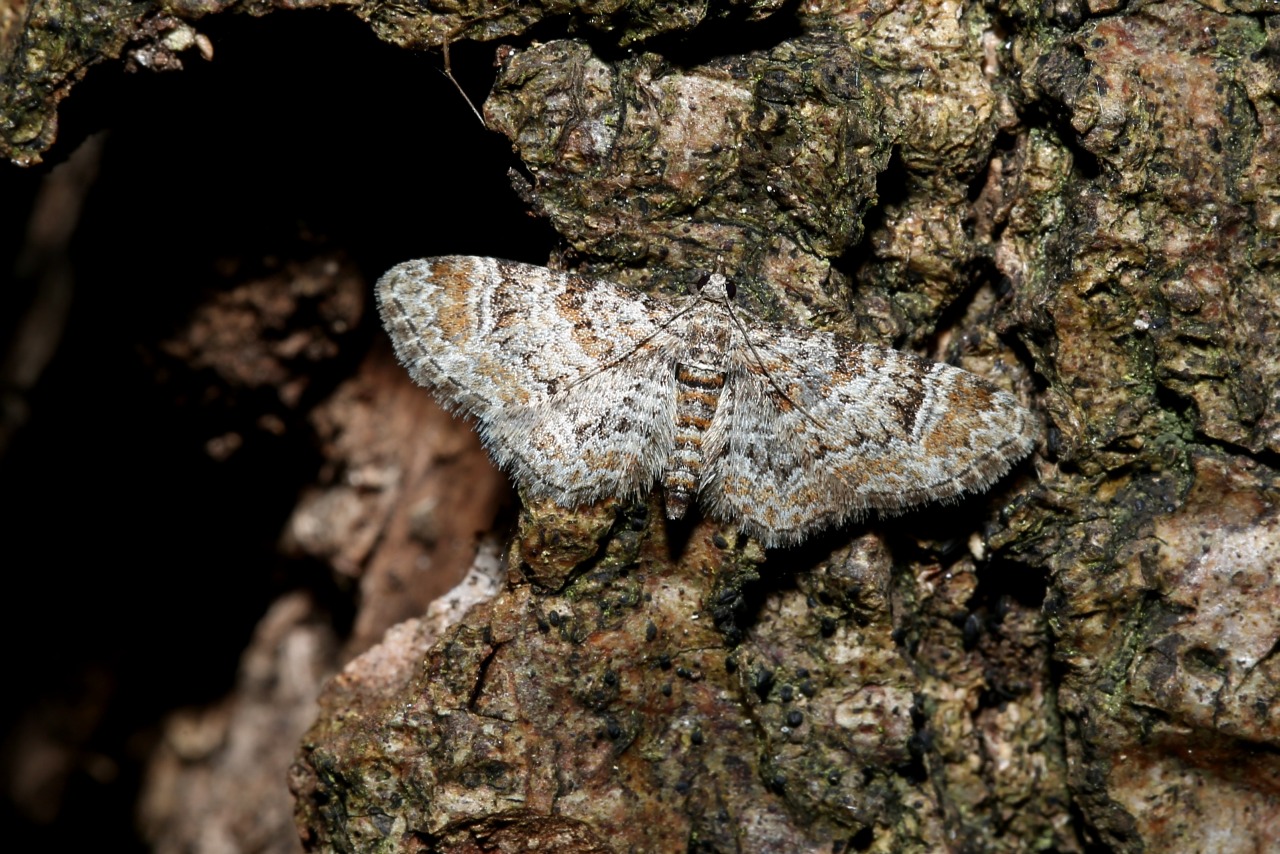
697 395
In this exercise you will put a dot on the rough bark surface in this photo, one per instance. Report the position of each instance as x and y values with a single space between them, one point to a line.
1081 201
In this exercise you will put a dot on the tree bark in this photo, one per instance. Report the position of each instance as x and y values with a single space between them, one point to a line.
1078 201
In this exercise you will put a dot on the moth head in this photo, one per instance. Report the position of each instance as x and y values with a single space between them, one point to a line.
716 286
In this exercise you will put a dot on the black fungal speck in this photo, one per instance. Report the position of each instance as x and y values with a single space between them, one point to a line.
972 631
762 681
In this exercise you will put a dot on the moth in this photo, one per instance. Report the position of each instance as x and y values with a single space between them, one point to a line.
582 389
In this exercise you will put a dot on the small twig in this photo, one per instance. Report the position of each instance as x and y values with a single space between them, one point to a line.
448 65
447 71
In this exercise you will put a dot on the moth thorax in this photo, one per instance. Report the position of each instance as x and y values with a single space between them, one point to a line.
697 396
717 286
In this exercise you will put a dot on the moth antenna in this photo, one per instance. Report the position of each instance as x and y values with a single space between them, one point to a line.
728 304
636 349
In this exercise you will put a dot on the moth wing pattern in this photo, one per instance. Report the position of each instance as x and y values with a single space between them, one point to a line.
570 379
574 384
814 429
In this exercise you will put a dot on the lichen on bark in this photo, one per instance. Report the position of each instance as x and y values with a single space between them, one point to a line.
1081 201
647 167
1140 252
